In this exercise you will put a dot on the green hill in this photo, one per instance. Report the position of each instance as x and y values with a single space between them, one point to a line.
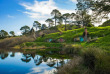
103 34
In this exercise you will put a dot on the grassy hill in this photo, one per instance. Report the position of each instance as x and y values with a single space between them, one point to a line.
103 34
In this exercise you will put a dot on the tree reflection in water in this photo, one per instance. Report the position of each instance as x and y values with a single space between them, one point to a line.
3 55
26 58
51 62
38 60
12 54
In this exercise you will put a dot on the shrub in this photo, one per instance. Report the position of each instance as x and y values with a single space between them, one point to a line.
72 49
10 42
72 67
96 60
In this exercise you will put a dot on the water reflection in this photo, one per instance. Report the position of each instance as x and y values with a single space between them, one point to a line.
26 58
28 63
3 55
13 54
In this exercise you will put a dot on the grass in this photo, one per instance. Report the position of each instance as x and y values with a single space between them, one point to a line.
13 41
103 34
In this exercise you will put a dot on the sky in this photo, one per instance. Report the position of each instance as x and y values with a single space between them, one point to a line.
16 13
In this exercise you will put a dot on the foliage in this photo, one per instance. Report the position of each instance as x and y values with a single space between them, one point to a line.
43 27
74 49
3 34
106 23
50 21
12 33
37 25
101 8
96 60
25 29
92 61
56 14
66 16
61 28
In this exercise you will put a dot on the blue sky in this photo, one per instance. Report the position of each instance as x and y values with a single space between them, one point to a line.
16 13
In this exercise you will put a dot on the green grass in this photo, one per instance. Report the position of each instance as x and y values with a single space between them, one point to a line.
103 34
57 45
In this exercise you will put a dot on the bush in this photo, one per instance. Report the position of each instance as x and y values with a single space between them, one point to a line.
72 67
92 61
11 42
96 60
72 49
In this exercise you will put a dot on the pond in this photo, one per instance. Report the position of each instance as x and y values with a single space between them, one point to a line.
28 63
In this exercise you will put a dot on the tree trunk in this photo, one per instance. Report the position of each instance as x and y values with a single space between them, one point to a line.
65 25
55 19
82 19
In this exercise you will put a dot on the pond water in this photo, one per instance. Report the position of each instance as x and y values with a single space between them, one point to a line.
28 63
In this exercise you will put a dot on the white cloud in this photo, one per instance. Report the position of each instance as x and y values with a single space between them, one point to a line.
41 10
74 1
41 70
10 16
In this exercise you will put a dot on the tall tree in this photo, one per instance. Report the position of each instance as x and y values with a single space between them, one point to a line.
37 25
72 15
60 20
66 16
50 21
56 14
43 27
3 34
83 18
81 9
25 29
99 7
12 33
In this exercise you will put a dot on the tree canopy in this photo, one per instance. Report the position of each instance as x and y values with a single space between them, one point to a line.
50 21
106 23
56 13
12 33
37 25
25 29
3 34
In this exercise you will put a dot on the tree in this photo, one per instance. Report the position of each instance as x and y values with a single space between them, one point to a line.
60 20
12 33
106 23
101 8
72 15
81 10
66 16
56 14
86 20
37 25
25 29
43 27
50 21
3 34
32 32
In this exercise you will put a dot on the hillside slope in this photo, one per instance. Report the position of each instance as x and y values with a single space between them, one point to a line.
102 33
